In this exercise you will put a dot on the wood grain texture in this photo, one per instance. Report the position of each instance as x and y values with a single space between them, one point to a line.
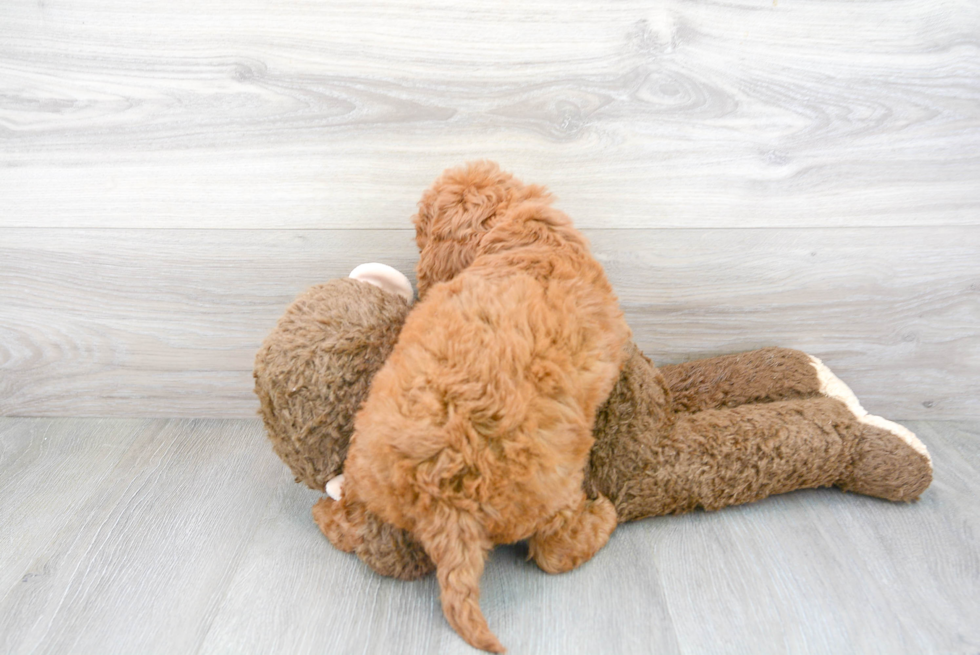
46 479
805 561
167 322
132 558
190 536
638 114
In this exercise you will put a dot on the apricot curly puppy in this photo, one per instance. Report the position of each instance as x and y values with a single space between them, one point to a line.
477 430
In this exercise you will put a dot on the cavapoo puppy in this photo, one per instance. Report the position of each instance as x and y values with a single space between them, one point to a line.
477 429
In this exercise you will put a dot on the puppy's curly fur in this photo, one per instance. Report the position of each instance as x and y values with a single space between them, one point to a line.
477 429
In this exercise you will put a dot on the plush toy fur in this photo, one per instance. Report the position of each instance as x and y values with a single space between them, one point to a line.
709 433
313 372
738 428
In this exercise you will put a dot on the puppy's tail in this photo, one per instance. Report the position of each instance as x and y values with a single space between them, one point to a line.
458 546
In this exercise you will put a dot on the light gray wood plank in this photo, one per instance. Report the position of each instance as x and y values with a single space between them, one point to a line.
295 593
893 313
141 562
200 542
167 322
821 571
834 572
670 114
49 469
156 323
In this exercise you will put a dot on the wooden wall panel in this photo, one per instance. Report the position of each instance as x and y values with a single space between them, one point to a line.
166 322
638 114
173 173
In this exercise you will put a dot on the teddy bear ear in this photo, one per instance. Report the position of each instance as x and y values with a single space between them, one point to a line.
384 277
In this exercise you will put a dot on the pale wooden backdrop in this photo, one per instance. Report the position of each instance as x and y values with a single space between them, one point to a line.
754 172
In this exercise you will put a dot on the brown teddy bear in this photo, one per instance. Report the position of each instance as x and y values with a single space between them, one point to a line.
708 433
705 434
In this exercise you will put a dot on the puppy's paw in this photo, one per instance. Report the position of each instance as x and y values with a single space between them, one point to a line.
573 536
332 520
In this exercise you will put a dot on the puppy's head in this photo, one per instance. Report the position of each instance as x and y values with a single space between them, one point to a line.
457 211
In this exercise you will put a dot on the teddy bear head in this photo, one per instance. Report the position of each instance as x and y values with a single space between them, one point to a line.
314 369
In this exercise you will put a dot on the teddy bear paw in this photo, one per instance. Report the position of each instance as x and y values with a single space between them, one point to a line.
889 460
833 387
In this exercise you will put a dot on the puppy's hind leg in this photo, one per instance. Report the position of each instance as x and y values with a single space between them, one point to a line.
458 546
573 535
335 523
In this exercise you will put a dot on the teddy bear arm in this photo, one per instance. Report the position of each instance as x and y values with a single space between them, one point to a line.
756 376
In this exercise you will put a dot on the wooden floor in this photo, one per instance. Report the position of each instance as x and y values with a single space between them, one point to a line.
189 536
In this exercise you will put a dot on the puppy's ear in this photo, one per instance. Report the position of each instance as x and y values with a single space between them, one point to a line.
457 211
440 261
462 202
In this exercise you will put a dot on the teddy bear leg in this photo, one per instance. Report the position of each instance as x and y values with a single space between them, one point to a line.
731 380
573 535
888 463
889 460
729 456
